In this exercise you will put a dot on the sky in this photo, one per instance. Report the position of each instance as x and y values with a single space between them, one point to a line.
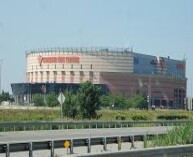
155 27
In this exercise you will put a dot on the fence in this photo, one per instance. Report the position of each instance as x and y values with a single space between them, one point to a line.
51 145
172 151
8 148
24 126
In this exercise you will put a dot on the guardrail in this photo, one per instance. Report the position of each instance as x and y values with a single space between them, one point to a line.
24 126
8 148
171 151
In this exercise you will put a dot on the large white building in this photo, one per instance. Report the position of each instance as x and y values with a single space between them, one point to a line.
118 71
76 65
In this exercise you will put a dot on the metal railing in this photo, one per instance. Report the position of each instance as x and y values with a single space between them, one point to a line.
80 49
8 148
24 126
31 146
171 151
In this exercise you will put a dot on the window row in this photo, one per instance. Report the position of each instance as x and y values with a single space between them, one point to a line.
55 66
33 77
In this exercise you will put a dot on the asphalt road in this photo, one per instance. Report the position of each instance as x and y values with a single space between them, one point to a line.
24 136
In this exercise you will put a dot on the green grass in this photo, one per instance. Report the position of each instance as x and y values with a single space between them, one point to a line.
106 115
28 115
178 136
144 114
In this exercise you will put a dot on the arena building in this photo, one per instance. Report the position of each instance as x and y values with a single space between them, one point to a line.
118 71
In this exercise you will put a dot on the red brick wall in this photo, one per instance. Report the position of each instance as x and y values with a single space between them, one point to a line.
162 87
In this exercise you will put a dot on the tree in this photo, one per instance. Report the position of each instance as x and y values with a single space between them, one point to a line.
138 101
11 99
38 100
51 100
114 101
106 101
5 96
121 102
70 107
88 97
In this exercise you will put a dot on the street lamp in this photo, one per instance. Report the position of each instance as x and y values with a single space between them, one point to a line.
148 95
1 63
30 93
44 90
184 97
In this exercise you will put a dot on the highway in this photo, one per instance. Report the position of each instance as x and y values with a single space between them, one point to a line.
24 136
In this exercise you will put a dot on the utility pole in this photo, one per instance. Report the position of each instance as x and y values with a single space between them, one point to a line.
1 63
149 103
149 93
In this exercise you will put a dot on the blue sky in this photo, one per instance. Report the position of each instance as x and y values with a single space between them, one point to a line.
154 27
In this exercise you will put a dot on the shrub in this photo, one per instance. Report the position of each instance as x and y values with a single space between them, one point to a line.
38 100
172 117
120 117
178 135
51 100
139 117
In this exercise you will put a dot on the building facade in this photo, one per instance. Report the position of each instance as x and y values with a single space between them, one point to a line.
119 71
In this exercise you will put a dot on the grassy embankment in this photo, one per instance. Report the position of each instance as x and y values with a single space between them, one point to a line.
179 135
106 115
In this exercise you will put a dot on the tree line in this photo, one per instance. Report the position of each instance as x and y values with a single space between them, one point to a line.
5 96
88 99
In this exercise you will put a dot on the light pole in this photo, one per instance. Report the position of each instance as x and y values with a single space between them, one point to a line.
1 63
148 93
30 93
183 94
44 90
